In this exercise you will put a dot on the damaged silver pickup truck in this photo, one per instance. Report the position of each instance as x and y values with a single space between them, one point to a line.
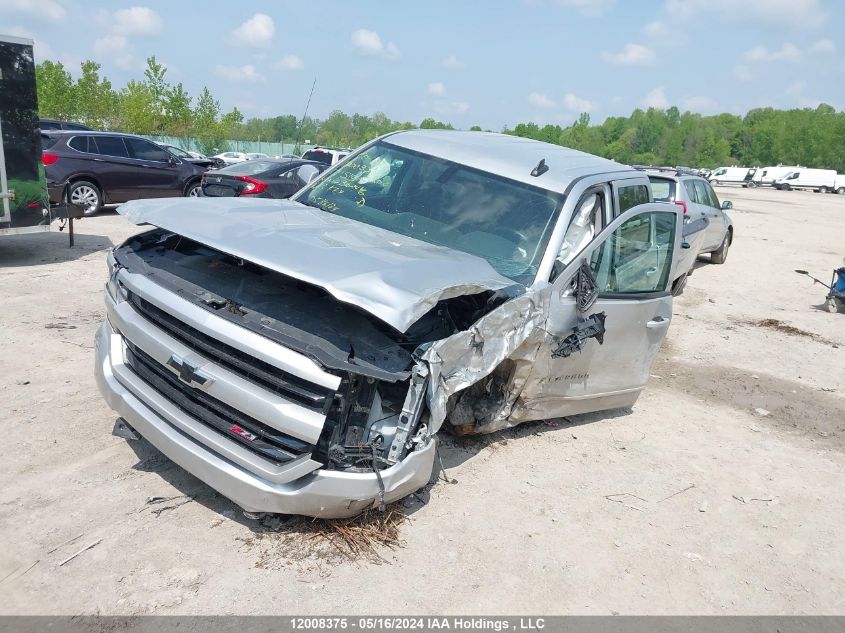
300 355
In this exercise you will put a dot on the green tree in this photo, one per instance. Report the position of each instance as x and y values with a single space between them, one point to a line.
56 91
96 101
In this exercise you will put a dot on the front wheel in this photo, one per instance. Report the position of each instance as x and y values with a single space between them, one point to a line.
86 195
823 189
752 184
194 190
721 254
841 191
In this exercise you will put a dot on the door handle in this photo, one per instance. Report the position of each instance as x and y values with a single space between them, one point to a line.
658 322
651 271
99 160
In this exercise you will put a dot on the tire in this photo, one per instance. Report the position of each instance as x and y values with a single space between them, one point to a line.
841 191
823 189
679 284
786 187
87 195
721 254
193 190
752 184
834 305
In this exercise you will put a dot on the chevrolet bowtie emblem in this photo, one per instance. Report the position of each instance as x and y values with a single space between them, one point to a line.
188 372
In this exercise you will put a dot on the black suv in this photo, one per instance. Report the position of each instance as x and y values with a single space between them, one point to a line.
98 168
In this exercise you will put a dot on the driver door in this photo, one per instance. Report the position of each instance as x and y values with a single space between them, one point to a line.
601 358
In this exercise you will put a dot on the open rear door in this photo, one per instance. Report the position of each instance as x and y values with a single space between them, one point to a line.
24 205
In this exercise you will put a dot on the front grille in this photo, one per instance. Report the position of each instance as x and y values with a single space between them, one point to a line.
267 442
272 378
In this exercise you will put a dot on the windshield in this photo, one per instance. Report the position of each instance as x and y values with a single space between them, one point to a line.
443 203
178 151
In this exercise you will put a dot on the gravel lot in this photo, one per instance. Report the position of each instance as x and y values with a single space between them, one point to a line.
693 502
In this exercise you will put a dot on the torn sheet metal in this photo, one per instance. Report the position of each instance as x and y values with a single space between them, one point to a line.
591 327
393 277
512 331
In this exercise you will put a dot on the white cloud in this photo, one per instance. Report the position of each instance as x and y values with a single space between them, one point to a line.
290 62
246 73
136 21
630 55
51 10
590 8
450 107
780 14
110 44
540 100
699 104
576 104
787 53
258 31
453 63
824 47
656 99
369 43
436 88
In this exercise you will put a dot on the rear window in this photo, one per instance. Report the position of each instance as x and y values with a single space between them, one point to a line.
47 142
250 167
320 157
662 189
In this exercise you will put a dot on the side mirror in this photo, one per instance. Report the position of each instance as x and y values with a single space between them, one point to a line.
727 204
172 161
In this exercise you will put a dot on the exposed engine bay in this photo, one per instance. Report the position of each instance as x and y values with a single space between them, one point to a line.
378 411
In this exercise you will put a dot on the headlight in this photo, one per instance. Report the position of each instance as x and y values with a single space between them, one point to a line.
115 289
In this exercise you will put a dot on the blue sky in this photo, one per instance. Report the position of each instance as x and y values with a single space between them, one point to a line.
491 63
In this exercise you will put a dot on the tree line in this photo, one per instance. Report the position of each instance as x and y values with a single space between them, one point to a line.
814 137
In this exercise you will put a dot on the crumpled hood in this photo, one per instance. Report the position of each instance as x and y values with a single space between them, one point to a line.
395 278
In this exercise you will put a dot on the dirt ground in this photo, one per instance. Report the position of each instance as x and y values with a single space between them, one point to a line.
720 492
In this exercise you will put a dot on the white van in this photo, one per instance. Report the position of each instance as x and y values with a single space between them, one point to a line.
732 175
766 176
822 180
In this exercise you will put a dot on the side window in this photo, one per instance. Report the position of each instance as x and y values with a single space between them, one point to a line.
112 146
637 257
80 144
144 150
586 223
714 200
703 195
631 196
692 192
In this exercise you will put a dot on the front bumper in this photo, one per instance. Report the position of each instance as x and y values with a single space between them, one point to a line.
321 493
